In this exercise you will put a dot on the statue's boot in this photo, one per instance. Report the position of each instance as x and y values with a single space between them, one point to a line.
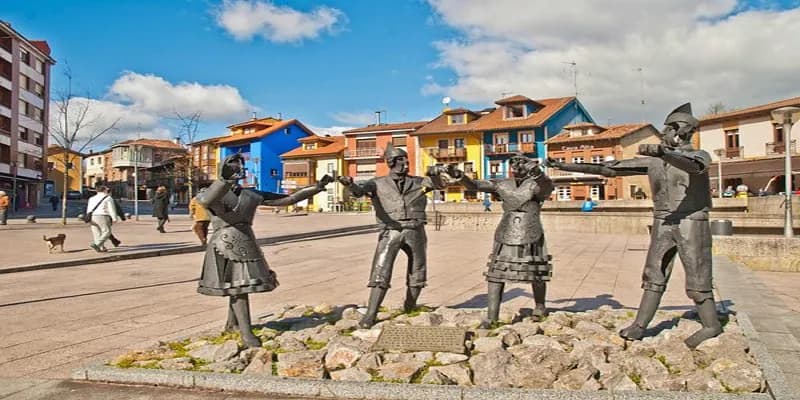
539 294
647 309
231 324
707 311
495 297
241 307
376 296
412 294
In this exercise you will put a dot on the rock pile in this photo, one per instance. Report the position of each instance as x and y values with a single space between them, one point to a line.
569 351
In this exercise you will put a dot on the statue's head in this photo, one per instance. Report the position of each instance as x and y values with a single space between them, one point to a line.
679 126
396 159
521 166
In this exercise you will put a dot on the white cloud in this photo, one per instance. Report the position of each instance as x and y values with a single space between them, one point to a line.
154 94
330 130
245 19
145 105
354 118
701 51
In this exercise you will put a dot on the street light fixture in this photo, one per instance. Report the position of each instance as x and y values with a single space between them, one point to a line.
719 153
787 116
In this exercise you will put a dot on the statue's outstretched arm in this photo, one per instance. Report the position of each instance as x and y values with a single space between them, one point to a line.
544 185
215 192
693 162
359 189
631 166
478 185
279 200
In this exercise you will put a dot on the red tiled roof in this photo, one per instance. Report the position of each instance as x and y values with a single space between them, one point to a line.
612 132
494 119
264 132
266 121
400 126
514 99
456 111
160 143
42 46
763 109
583 125
337 146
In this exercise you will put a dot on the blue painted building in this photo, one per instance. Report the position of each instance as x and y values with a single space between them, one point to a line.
261 142
520 124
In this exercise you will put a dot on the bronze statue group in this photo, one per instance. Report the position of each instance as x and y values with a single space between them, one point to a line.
234 265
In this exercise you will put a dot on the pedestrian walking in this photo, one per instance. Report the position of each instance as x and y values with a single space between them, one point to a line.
102 211
588 205
201 217
54 202
487 203
161 207
3 207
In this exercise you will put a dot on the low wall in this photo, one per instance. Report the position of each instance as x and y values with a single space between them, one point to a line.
760 252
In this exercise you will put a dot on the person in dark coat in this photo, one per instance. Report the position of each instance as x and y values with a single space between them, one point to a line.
161 207
54 202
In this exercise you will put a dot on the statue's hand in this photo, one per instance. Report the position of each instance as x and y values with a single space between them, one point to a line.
436 170
552 163
652 150
454 172
344 180
536 171
324 181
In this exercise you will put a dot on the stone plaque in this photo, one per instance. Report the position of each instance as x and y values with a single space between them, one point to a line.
421 338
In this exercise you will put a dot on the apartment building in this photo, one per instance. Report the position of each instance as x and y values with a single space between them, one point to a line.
365 146
316 157
145 157
24 109
94 168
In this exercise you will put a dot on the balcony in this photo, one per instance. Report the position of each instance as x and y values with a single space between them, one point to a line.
447 153
366 152
508 148
734 152
775 148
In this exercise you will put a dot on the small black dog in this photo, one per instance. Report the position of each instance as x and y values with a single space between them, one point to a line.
55 241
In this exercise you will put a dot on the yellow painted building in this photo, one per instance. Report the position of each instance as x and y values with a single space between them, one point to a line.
449 140
57 164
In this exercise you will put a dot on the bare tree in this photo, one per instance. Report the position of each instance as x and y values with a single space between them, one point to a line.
716 108
188 128
78 131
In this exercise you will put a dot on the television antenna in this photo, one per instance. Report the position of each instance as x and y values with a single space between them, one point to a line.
640 70
574 67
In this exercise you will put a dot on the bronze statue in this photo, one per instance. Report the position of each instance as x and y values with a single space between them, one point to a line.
399 200
234 264
519 253
679 181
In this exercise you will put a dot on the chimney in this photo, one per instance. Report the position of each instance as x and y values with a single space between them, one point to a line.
254 116
280 116
177 140
377 118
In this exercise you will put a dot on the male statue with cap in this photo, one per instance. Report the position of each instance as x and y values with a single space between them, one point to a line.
679 181
399 201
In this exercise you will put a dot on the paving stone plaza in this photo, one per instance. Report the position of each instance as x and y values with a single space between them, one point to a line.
57 320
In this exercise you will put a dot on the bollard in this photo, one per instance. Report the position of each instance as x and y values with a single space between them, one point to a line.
721 227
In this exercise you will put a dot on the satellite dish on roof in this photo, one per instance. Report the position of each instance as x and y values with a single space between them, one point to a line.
446 100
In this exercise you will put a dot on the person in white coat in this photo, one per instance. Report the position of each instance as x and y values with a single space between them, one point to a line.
101 205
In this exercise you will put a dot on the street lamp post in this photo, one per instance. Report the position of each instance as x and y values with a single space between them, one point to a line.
787 116
14 187
136 150
719 153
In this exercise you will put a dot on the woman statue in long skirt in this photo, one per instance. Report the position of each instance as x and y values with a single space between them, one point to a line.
234 264
519 253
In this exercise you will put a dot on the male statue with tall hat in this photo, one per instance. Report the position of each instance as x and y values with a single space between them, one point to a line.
679 181
399 200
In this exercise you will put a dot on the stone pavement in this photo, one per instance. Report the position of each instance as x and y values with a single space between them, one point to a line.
30 248
53 321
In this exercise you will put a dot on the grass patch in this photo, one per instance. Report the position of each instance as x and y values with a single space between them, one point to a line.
179 347
274 369
418 310
224 337
636 378
348 332
630 314
198 364
125 362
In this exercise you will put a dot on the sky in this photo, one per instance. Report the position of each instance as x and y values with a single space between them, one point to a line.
332 64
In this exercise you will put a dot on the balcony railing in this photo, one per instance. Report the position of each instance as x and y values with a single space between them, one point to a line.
449 152
774 148
510 148
734 152
367 152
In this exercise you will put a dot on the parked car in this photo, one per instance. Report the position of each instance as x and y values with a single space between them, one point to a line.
74 195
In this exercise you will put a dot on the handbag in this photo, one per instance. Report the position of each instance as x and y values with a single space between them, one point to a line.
88 216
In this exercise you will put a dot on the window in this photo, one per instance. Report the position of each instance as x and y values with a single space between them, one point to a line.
526 137
495 168
564 193
777 133
330 167
38 65
577 160
458 143
5 154
458 119
365 169
399 141
35 163
469 167
443 143
515 111
23 134
24 56
597 159
309 146
365 144
36 113
500 138
249 130
732 139
594 192
38 138
21 158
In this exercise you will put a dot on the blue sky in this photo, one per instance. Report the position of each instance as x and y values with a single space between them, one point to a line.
341 60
